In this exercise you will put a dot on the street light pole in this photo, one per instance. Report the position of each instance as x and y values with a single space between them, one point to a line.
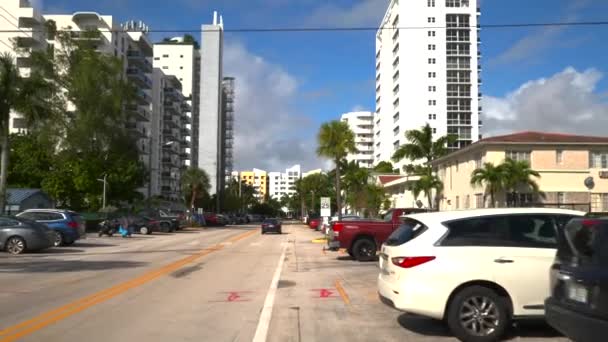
105 182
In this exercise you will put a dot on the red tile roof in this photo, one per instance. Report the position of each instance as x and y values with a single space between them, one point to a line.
388 179
544 137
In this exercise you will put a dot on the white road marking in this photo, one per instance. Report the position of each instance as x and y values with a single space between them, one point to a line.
255 244
261 332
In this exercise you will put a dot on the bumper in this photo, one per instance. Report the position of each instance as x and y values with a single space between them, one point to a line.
412 297
575 326
333 245
271 229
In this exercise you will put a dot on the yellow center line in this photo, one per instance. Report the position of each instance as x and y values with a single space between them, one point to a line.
342 292
32 325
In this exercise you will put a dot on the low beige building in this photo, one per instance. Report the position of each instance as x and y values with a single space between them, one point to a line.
573 169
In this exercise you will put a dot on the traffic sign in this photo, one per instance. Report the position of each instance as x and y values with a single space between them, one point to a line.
325 206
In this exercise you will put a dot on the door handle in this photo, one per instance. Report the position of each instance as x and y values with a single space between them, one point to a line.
503 261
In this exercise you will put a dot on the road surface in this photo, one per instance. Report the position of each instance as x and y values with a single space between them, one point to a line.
225 284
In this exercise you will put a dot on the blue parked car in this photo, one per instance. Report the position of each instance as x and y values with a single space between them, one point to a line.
67 225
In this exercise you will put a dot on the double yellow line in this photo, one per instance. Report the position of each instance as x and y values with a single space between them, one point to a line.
30 326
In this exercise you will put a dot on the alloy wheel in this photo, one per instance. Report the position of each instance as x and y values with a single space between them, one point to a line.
58 239
15 246
479 316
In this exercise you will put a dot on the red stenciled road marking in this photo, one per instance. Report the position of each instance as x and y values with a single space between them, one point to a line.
233 296
325 293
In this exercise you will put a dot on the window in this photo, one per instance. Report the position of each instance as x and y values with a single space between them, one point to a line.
432 116
181 56
432 74
478 161
430 3
598 160
532 231
559 154
431 19
396 145
432 88
432 61
396 117
477 231
165 56
457 202
155 58
165 67
432 102
388 217
561 198
431 33
434 130
479 201
396 131
8 222
396 103
467 202
432 46
181 67
407 231
518 155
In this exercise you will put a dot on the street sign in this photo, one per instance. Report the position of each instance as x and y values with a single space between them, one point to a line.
325 206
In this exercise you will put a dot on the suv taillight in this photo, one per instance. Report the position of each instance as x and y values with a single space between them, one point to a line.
73 224
409 262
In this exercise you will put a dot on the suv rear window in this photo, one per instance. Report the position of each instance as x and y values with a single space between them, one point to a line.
584 240
407 231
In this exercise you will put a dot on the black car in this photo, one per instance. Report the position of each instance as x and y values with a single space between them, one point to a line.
271 225
578 306
167 222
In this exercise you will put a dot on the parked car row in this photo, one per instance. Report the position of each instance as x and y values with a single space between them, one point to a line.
481 270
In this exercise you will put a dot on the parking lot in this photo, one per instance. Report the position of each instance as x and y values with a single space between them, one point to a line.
206 285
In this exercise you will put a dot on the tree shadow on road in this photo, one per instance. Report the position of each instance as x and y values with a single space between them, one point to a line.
431 327
58 266
92 244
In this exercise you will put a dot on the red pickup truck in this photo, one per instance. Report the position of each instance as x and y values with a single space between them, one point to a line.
362 239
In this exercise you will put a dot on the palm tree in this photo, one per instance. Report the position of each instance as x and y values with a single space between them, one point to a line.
520 176
196 182
355 180
336 140
426 184
494 178
29 96
421 146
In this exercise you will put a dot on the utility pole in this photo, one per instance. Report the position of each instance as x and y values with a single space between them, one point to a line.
105 182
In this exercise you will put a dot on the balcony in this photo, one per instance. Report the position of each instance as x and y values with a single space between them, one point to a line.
135 131
142 98
139 59
94 38
173 94
139 113
139 78
458 66
170 109
169 150
170 124
185 131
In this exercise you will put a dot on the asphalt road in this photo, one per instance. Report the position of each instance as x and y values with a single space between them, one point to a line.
228 284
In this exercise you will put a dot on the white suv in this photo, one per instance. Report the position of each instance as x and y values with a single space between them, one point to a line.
475 269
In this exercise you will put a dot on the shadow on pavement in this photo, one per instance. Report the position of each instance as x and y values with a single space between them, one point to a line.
345 257
53 266
423 326
57 250
430 327
92 244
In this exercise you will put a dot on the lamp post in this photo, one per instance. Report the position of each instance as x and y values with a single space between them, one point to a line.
105 182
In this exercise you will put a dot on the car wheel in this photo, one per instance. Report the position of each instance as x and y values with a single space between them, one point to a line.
165 227
144 230
364 250
58 239
15 245
478 314
263 232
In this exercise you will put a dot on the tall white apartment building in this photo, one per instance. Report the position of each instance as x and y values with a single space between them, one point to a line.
429 74
177 58
282 184
362 125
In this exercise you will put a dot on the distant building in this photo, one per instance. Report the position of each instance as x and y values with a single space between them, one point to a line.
362 125
573 170
18 200
258 179
282 184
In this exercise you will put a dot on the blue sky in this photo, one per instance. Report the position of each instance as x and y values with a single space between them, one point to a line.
326 73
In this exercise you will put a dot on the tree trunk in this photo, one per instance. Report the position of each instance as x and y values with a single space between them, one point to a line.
193 200
429 196
492 203
338 194
4 152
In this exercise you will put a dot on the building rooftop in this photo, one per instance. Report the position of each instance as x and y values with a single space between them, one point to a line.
529 138
16 196
387 179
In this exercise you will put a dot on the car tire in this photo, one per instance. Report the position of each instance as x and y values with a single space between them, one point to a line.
165 227
263 232
15 245
58 239
143 230
364 250
477 305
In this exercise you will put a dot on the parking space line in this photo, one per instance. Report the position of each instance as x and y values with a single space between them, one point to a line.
342 292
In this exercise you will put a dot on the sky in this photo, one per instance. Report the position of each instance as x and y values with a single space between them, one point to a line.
287 84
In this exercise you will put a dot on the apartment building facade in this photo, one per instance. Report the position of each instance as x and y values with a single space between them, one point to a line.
362 125
258 179
427 75
282 184
573 171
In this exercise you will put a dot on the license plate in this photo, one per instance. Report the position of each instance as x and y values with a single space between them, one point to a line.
578 293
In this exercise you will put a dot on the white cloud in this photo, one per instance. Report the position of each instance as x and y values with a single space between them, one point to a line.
270 133
362 13
565 102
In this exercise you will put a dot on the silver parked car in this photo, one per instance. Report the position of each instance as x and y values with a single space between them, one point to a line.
18 235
